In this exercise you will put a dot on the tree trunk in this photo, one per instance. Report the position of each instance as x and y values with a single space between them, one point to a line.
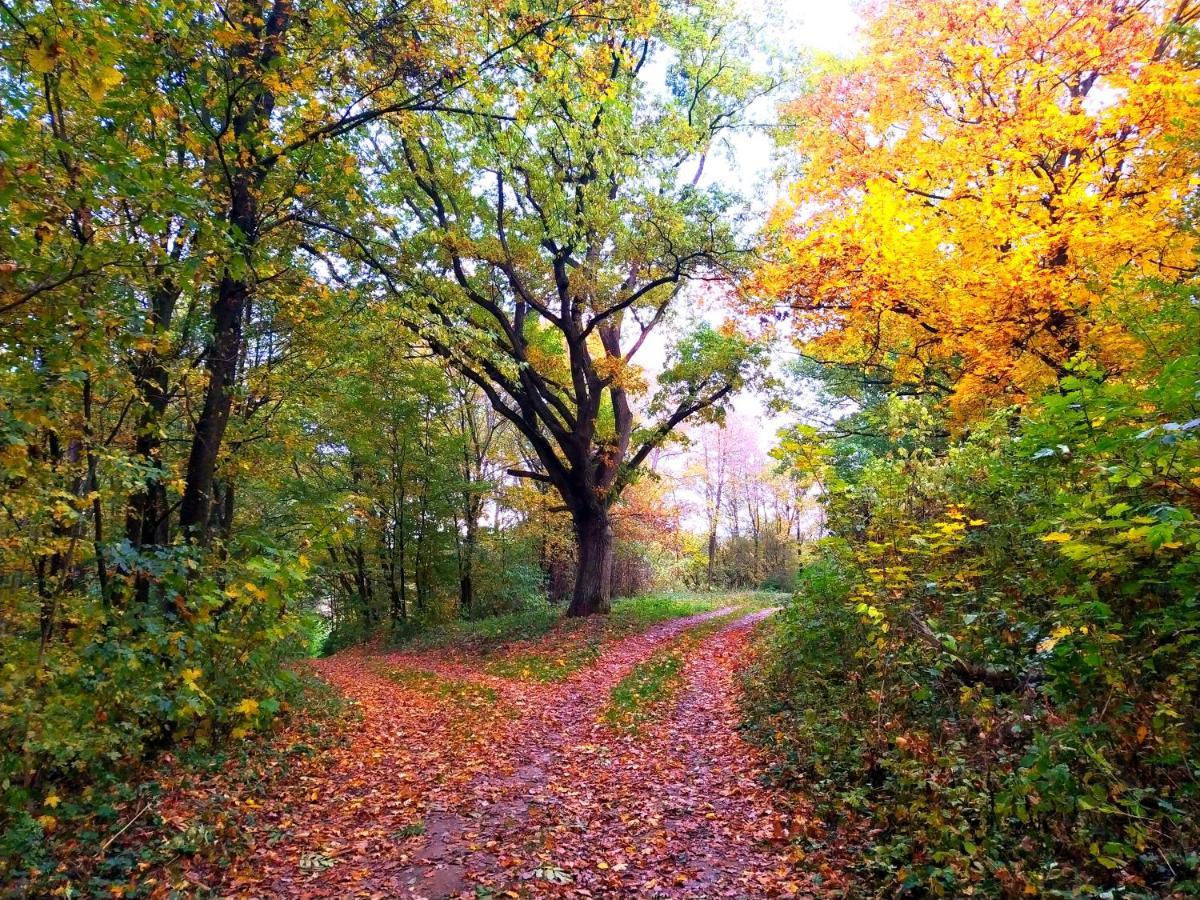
147 511
593 572
250 120
466 584
196 508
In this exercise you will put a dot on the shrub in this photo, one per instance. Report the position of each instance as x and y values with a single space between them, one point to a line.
198 657
994 662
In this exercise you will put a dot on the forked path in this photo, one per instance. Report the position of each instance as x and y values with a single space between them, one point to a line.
485 786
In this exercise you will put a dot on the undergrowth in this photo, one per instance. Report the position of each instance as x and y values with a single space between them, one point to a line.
112 839
991 666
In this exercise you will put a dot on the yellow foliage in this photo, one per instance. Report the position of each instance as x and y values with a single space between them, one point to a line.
247 707
974 179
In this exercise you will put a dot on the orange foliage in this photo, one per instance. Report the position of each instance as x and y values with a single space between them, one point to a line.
648 514
976 183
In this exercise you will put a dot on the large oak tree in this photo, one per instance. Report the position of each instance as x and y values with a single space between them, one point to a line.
538 241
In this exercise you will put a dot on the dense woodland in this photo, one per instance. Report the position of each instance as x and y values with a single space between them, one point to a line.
339 325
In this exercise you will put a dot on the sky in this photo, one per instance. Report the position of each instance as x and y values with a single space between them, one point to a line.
798 29
822 25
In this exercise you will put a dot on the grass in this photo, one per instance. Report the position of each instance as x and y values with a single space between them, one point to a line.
411 830
487 635
548 666
458 691
577 643
639 613
642 695
637 697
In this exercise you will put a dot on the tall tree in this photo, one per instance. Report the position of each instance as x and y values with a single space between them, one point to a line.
284 80
540 241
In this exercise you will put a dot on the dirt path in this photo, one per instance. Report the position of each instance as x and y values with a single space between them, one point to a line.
496 787
673 811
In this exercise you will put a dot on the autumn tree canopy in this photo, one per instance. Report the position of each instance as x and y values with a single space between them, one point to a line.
979 187
987 261
540 238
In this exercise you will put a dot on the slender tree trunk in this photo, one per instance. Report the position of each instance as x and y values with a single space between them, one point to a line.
363 585
146 513
395 606
227 311
92 486
466 586
146 517
224 350
593 571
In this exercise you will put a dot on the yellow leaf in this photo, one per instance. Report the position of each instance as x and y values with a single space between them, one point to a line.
247 707
975 523
1056 537
227 37
52 801
101 82
42 59
1051 642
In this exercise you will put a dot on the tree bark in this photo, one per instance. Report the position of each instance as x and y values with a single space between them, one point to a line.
593 571
251 117
466 585
196 509
146 510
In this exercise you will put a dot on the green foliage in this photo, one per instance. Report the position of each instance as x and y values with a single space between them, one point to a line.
508 580
993 665
70 842
635 697
706 361
124 679
529 623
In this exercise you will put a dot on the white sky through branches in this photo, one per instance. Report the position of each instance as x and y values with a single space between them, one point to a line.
795 31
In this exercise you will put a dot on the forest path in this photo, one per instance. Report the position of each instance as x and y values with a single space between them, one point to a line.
461 783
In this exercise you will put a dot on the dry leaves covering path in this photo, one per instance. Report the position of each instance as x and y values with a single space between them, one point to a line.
460 783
